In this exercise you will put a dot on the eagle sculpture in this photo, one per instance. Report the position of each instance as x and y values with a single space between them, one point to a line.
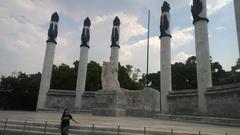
164 25
53 29
115 32
196 9
85 32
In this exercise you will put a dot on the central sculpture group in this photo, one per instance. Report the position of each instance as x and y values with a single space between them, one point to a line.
113 100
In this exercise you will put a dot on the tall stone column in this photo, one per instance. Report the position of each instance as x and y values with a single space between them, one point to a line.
237 17
204 77
83 61
166 79
48 62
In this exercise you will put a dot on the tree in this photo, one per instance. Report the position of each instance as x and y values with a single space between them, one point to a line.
153 80
64 77
125 80
93 80
236 72
19 92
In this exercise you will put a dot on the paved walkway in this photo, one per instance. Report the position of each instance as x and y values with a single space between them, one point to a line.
124 122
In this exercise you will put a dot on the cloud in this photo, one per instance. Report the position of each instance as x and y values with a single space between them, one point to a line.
21 45
220 28
213 6
181 37
27 11
181 57
135 54
130 25
24 28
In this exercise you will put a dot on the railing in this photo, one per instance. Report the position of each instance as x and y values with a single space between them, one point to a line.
52 127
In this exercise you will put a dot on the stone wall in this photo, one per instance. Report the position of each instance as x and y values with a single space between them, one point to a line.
222 101
60 99
142 102
127 102
184 102
88 99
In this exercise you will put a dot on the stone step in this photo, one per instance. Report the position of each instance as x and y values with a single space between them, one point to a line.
36 128
60 110
200 119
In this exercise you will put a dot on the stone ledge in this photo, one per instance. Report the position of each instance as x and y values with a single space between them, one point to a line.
62 92
60 110
89 94
229 88
182 93
224 87
200 119
109 112
223 91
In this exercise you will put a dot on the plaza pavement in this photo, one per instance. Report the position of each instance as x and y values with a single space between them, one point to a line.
86 119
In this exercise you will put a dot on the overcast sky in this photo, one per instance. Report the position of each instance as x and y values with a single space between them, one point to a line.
24 25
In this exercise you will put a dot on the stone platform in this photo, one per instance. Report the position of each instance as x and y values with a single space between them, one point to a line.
123 102
132 124
110 103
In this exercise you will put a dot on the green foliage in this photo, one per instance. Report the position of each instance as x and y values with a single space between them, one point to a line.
154 80
20 91
236 72
184 75
93 80
125 80
63 77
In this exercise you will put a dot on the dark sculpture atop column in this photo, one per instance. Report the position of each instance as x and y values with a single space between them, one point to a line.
53 29
115 32
196 9
86 33
164 25
165 7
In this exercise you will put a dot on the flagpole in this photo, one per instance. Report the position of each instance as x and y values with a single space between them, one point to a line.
147 47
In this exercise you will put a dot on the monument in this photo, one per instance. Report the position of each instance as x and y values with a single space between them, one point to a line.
83 61
204 76
110 100
113 100
166 81
48 62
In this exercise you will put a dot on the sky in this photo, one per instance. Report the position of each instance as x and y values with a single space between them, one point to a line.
24 25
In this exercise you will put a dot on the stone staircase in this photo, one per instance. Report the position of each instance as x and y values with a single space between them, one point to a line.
21 127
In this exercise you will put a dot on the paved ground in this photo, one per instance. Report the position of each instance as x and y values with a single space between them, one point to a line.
124 122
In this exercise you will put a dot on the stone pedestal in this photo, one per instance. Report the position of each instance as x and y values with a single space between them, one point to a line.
110 103
237 15
81 77
46 75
